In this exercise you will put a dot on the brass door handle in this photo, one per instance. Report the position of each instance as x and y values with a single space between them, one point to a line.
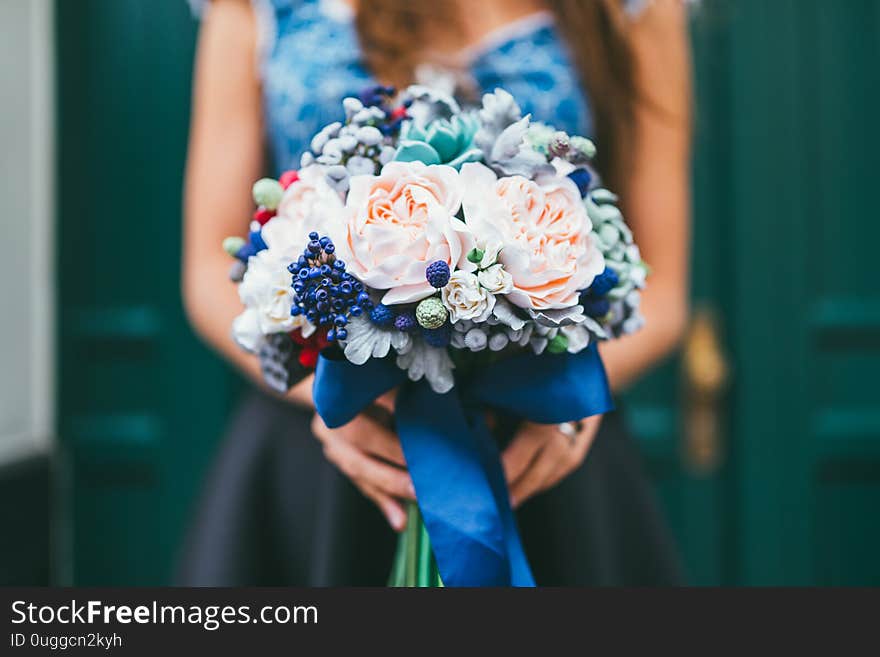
705 380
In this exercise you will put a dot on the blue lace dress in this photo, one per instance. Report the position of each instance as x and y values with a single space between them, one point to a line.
274 511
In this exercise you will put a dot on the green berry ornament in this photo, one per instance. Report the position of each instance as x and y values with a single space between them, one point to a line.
431 313
558 344
232 245
268 192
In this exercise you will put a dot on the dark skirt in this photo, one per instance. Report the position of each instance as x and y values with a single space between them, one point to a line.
274 511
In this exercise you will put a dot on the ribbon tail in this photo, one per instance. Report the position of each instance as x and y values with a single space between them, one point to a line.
459 503
520 571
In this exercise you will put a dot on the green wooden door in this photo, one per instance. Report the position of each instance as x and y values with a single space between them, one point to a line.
142 403
787 92
806 324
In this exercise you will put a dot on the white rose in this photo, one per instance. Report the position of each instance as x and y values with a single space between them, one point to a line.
495 279
266 293
465 298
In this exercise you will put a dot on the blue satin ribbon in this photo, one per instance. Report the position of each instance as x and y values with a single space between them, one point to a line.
451 455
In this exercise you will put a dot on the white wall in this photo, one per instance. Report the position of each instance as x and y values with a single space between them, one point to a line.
26 228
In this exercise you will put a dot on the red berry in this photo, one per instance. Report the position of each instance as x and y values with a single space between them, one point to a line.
308 358
321 341
398 112
288 178
262 215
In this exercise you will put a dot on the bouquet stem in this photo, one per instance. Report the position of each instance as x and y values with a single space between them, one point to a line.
414 564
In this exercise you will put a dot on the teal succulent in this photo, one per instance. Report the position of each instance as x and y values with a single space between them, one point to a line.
441 141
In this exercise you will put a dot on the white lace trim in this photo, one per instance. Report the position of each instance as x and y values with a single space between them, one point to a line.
509 31
337 10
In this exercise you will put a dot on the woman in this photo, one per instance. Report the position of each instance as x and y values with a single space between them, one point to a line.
287 502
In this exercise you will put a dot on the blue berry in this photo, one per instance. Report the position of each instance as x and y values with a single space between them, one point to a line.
345 288
331 335
329 248
324 241
339 264
313 235
437 274
381 315
314 246
363 298
581 178
604 282
295 311
406 321
596 307
341 334
438 337
340 320
356 311
257 240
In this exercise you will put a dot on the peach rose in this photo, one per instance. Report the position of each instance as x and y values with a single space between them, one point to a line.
544 231
397 223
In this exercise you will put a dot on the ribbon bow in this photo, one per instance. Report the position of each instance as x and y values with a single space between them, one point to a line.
451 455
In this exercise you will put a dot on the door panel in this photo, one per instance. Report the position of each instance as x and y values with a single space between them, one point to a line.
142 403
807 327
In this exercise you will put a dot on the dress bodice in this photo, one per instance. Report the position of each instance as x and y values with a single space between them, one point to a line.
310 60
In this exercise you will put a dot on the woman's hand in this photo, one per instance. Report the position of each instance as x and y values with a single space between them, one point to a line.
541 455
370 455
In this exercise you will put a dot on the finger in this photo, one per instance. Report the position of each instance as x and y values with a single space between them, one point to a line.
577 450
375 439
390 508
388 400
366 469
536 476
518 455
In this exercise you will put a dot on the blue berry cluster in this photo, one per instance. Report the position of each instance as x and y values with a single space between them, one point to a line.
380 96
594 298
324 292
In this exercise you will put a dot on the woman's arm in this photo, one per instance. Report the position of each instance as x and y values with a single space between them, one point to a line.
225 156
658 197
656 205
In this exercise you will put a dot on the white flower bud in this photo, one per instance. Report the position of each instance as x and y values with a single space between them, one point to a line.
369 136
347 143
498 341
358 165
351 106
476 339
495 279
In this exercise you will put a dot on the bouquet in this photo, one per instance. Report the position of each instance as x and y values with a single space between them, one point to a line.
467 257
